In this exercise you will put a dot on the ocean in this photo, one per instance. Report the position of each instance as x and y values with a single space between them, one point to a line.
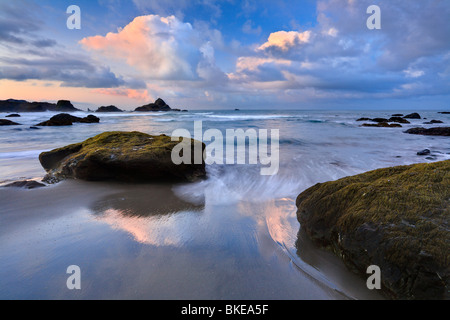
232 236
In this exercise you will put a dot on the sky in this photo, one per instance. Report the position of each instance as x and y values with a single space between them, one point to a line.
226 54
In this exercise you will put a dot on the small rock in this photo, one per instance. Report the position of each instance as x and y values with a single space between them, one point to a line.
424 152
437 131
413 116
65 119
13 115
433 122
4 122
382 125
399 120
380 120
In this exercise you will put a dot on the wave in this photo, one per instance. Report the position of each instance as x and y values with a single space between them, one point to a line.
28 154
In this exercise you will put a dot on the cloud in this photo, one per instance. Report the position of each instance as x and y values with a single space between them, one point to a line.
141 95
70 71
249 29
159 48
285 40
341 55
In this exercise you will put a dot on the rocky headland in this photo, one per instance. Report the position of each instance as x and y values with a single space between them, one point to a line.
12 105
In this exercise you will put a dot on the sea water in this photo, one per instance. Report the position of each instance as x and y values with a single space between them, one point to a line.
232 236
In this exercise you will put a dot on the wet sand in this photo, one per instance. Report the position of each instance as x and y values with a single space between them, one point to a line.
145 242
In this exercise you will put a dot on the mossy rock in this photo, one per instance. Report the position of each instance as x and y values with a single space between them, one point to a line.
121 156
396 218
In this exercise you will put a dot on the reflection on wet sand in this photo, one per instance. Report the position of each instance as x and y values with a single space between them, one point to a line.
153 215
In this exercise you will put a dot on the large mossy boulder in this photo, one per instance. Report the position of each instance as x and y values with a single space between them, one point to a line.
396 218
120 156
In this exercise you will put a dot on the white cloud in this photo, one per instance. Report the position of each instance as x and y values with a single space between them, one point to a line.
157 47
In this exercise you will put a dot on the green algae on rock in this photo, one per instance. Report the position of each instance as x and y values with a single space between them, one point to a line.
121 156
396 218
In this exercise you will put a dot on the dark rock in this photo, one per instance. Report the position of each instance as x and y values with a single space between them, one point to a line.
13 115
121 156
65 106
379 120
382 125
12 105
27 184
396 218
5 122
34 128
65 119
364 119
413 116
433 122
158 105
109 109
89 119
424 152
399 120
438 131
444 112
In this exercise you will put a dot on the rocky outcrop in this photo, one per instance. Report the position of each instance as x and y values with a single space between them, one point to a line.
438 131
109 109
396 218
158 105
65 119
12 105
13 115
121 156
5 122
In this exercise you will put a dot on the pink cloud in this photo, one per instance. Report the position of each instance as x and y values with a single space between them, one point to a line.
285 40
157 47
141 95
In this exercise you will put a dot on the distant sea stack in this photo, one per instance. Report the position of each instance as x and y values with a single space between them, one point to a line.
109 109
12 105
158 105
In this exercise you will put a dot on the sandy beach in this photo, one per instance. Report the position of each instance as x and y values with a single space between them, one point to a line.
144 242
